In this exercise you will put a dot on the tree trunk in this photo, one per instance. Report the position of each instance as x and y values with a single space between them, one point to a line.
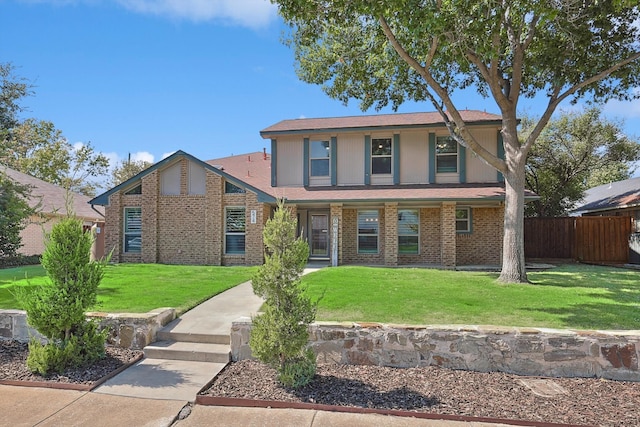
513 263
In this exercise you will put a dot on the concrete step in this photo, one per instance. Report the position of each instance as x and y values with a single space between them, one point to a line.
188 351
166 335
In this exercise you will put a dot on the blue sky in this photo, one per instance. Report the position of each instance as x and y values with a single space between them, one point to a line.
149 77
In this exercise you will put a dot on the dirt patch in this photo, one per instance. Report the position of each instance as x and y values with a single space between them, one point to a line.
442 391
13 366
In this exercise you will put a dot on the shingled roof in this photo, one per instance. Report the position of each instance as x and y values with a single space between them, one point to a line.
387 121
616 195
52 199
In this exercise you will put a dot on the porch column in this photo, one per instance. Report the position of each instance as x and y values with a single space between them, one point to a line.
448 234
336 234
391 234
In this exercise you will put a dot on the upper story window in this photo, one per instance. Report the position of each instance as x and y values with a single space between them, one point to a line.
320 153
408 231
368 232
234 230
230 188
132 242
446 155
381 156
463 220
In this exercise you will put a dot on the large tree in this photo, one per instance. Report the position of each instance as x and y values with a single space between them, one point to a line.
574 152
383 53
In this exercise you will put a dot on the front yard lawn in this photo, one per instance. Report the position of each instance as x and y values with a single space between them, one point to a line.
138 288
569 296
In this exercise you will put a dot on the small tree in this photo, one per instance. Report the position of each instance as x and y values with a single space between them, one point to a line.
279 336
58 311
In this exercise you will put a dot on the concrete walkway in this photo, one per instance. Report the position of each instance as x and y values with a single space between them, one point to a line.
178 379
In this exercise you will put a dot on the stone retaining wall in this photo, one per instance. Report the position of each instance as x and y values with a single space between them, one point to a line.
126 330
523 351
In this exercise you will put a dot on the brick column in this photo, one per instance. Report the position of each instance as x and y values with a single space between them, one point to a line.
391 234
448 234
336 214
113 224
150 232
214 221
254 246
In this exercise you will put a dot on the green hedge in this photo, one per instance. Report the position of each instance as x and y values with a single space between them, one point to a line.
17 261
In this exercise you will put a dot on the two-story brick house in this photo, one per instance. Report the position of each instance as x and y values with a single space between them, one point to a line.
386 189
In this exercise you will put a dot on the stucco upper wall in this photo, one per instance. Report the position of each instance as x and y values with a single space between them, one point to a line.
411 159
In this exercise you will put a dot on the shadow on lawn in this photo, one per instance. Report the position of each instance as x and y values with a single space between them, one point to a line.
622 311
330 390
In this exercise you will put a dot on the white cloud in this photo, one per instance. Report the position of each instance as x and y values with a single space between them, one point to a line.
142 156
165 155
248 13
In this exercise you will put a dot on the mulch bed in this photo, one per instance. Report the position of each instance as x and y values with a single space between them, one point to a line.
436 390
14 371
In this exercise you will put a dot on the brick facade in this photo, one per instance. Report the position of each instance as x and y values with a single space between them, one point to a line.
190 228
185 228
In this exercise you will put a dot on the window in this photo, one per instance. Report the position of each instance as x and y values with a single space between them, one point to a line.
463 220
446 155
368 232
319 158
381 156
135 190
230 188
408 231
132 230
234 231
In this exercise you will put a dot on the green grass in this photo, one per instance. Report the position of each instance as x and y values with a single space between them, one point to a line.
138 288
569 296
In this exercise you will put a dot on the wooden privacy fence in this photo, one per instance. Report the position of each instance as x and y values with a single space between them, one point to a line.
586 239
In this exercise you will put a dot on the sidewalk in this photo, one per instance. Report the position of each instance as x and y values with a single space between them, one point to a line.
43 407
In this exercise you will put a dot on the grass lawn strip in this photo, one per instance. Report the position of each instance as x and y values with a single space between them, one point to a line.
138 288
570 296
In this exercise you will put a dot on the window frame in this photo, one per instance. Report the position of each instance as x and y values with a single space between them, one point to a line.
468 220
448 154
228 233
228 186
416 214
130 234
376 145
376 234
327 159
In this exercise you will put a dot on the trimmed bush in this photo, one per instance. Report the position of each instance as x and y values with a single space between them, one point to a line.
58 310
279 336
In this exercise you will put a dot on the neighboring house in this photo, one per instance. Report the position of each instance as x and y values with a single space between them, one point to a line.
621 198
387 189
51 203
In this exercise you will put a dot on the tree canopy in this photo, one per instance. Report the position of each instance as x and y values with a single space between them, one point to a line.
127 169
385 53
575 152
37 148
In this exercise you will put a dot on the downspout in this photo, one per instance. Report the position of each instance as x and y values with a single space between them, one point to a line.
97 211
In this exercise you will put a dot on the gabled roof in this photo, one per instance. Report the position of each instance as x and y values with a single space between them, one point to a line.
103 199
52 199
375 122
616 195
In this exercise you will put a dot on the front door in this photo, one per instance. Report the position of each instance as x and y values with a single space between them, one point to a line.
319 242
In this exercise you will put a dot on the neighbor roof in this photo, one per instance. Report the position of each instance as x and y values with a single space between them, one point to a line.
372 122
52 199
616 195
